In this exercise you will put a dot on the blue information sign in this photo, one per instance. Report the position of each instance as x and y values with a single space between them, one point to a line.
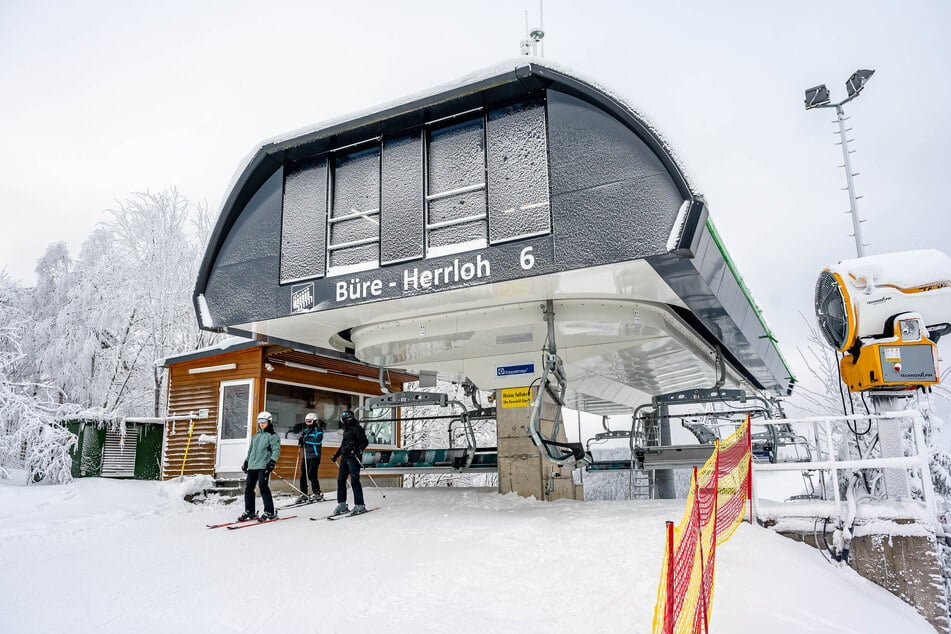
510 370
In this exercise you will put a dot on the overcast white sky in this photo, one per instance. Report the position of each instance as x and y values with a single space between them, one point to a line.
101 99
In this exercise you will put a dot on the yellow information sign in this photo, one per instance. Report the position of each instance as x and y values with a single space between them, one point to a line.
516 397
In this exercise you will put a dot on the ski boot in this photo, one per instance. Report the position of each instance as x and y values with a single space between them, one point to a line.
341 509
248 515
267 517
317 497
358 509
304 499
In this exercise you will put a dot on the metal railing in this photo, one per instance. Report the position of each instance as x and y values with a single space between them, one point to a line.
832 437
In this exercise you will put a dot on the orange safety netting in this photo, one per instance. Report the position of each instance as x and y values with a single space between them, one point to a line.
715 507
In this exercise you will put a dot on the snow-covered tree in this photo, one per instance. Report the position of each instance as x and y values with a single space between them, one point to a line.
157 241
102 320
31 436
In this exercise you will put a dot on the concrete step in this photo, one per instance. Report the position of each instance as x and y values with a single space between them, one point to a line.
225 490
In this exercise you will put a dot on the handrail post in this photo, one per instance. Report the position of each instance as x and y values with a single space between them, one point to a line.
835 472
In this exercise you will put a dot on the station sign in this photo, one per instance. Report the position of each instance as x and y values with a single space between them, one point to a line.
498 263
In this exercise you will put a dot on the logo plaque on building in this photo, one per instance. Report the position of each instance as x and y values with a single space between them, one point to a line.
302 297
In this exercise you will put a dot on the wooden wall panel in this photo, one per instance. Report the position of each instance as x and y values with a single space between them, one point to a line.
191 392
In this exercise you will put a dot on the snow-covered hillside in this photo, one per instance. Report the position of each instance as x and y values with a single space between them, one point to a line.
122 556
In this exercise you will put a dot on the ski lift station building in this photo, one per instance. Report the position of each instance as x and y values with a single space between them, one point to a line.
469 229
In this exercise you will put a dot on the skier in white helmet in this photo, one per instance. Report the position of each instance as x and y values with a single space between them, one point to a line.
311 442
262 458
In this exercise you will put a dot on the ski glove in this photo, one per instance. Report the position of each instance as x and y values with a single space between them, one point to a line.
270 466
335 456
244 466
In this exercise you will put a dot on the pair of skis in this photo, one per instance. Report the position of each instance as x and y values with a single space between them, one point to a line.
232 526
294 505
253 522
341 516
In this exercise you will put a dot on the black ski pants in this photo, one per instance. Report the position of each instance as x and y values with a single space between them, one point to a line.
259 477
349 467
309 472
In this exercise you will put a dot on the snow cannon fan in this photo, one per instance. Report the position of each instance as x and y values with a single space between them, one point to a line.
886 313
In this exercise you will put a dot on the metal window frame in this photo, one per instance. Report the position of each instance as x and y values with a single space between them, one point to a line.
374 143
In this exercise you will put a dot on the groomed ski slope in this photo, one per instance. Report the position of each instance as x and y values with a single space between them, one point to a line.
122 556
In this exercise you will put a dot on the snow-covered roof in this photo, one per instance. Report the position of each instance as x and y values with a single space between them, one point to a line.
228 344
520 69
301 135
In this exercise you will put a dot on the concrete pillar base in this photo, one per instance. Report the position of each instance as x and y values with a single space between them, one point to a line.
521 467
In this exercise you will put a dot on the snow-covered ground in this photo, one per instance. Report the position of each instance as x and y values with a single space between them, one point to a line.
122 556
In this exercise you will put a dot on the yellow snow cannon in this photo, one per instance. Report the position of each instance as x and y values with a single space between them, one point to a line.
885 313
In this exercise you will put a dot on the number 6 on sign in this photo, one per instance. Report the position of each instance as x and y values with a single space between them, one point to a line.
526 259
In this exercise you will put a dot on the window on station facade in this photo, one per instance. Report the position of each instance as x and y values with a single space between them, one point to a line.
517 166
235 410
456 218
289 403
457 185
353 225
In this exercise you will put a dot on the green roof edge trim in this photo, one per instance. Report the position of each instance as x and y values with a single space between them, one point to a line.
749 297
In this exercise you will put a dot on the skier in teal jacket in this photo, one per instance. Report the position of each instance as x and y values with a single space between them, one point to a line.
262 457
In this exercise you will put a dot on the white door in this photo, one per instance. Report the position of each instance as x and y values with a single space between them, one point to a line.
234 424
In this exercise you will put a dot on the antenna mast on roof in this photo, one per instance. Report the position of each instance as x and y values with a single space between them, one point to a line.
533 37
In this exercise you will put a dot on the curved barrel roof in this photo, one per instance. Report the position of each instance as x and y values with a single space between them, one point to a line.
441 195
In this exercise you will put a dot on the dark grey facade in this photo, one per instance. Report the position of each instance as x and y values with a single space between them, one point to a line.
433 183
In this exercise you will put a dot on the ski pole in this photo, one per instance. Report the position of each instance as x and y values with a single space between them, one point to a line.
297 464
287 483
371 478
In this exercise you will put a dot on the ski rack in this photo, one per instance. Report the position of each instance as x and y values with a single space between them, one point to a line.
439 399
559 453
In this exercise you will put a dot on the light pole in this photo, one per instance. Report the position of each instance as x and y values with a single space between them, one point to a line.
818 97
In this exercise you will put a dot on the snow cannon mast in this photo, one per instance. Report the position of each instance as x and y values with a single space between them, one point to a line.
885 313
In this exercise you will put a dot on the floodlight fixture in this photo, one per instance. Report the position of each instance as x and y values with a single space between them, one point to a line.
857 81
817 96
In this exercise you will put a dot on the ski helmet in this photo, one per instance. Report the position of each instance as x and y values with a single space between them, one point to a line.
347 417
310 418
264 418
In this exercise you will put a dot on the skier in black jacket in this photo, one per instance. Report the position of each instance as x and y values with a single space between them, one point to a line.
351 450
311 442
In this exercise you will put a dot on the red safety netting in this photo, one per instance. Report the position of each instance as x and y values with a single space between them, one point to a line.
715 507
